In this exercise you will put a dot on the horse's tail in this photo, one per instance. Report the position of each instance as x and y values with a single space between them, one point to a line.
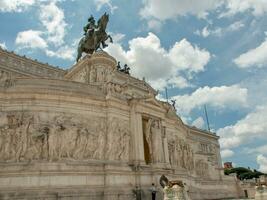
80 48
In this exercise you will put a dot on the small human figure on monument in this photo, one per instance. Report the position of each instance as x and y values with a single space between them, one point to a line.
153 191
137 193
119 66
126 69
173 104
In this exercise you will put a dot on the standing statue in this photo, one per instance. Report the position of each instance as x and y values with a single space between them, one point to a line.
94 36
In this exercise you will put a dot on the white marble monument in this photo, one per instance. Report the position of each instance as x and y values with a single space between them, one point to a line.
92 132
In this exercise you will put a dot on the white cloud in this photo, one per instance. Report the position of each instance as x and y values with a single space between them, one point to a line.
260 149
187 57
236 26
100 3
117 37
64 52
178 82
252 126
219 31
262 162
52 17
161 67
219 97
154 24
170 9
226 153
254 57
199 123
3 45
15 5
30 39
258 7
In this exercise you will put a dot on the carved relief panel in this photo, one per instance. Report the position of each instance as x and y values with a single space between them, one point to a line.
6 78
202 168
118 140
29 136
180 153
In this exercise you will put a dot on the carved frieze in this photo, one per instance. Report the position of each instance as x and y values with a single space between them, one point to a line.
29 136
180 153
202 168
118 140
6 79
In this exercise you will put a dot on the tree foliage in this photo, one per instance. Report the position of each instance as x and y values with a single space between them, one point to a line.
243 173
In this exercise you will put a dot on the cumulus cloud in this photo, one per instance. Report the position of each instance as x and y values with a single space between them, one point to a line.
170 9
226 153
159 66
3 45
188 57
53 21
250 127
219 97
15 5
199 123
30 39
254 57
52 17
262 162
100 3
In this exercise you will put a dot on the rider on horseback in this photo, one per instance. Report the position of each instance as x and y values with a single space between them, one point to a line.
90 27
94 36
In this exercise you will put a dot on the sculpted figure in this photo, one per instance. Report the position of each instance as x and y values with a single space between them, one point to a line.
95 36
90 27
124 143
100 131
156 133
171 149
69 136
82 139
22 133
118 140
149 136
93 75
6 147
54 142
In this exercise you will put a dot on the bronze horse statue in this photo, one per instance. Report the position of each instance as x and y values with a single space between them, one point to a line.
93 39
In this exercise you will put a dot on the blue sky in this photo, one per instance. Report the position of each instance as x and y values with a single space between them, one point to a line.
209 52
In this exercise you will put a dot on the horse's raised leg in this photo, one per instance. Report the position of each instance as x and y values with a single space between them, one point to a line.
104 44
110 39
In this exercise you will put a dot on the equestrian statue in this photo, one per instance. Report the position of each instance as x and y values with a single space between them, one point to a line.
94 36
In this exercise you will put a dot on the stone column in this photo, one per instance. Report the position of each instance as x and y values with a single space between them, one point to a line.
137 134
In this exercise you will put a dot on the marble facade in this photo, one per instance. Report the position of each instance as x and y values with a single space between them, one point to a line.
92 132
